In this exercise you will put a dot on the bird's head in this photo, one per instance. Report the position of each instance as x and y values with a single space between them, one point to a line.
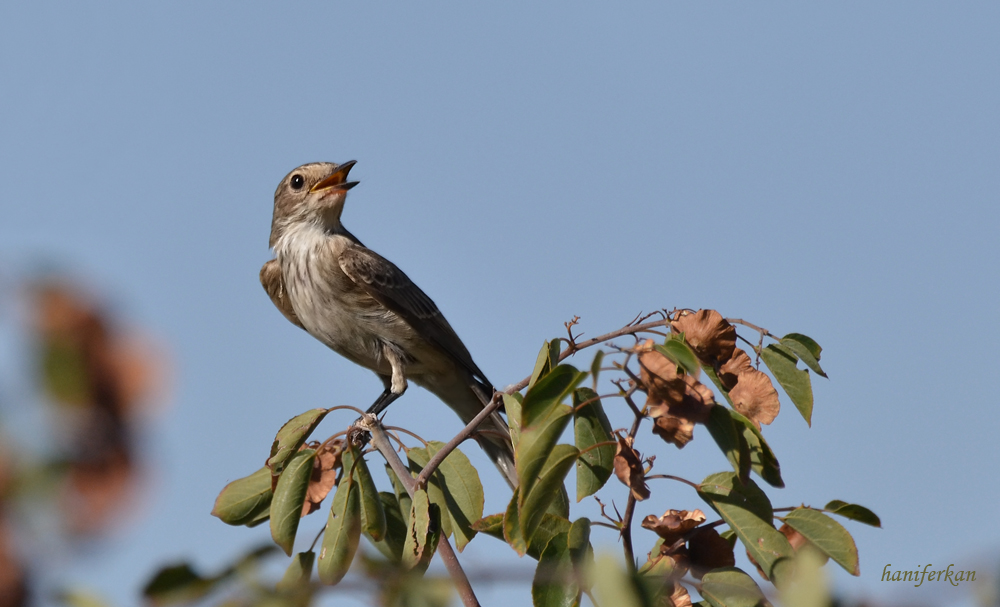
313 192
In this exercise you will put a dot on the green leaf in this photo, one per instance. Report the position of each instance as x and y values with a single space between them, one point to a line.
541 494
854 512
748 512
731 587
809 586
547 359
512 405
827 535
615 587
554 584
677 351
794 381
806 349
491 525
560 503
372 516
591 427
710 373
245 500
289 495
762 459
548 393
80 598
343 532
422 534
730 440
550 527
581 553
405 504
512 525
291 437
176 584
299 572
595 367
391 544
537 441
460 487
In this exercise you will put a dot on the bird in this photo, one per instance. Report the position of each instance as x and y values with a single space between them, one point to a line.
363 307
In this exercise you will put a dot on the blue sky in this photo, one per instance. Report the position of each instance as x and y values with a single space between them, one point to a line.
830 170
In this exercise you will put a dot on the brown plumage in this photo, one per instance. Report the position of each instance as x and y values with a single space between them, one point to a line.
365 308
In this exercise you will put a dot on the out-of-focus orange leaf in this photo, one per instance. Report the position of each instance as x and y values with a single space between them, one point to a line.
87 361
755 397
106 374
628 468
711 337
729 371
97 491
324 473
13 578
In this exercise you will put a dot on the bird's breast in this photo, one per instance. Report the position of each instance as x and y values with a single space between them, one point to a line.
332 307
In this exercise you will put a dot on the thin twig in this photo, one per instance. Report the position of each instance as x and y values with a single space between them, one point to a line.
349 407
761 330
380 440
405 431
457 440
626 531
673 478
574 348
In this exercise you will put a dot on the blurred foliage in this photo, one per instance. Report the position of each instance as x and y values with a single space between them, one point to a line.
95 379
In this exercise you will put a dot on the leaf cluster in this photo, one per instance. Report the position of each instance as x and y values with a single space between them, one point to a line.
689 551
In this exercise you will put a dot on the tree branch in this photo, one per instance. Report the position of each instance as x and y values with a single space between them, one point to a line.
459 438
380 440
576 347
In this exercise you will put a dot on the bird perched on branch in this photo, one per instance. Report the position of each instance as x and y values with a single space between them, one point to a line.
365 308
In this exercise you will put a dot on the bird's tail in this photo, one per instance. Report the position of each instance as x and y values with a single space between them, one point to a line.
494 435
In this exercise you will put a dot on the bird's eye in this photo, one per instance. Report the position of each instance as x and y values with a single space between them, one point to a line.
297 182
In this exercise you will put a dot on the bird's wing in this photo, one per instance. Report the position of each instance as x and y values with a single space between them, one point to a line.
388 285
274 284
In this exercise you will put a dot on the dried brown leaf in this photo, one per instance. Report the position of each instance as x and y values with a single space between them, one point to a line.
755 397
730 370
676 401
673 524
324 474
660 377
708 550
680 597
711 337
674 430
628 468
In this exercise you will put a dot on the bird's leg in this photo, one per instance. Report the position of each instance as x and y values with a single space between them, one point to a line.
383 401
395 384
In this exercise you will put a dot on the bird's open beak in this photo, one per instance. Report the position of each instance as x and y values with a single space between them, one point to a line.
338 180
